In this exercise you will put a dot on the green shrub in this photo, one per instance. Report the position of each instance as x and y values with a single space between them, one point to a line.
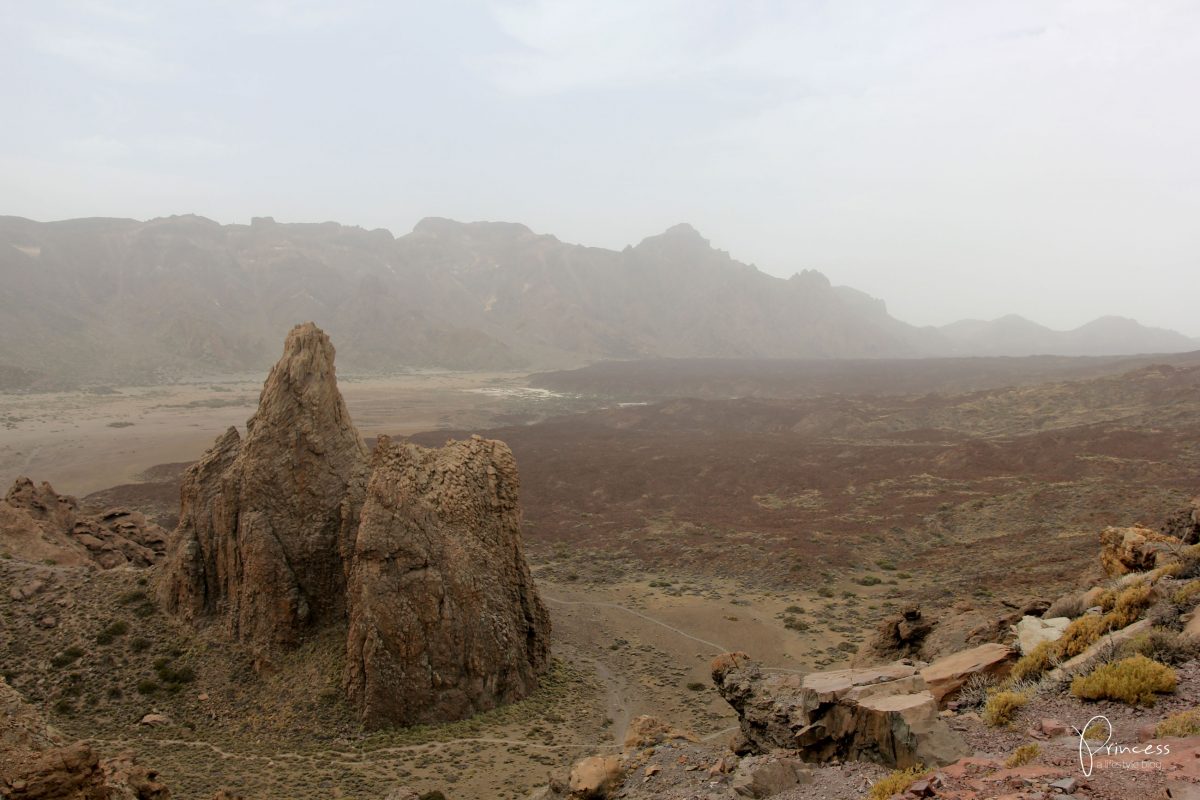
147 686
1133 680
139 645
68 656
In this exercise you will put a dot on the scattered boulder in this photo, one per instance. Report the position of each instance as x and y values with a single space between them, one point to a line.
1032 631
444 619
1135 549
764 776
883 714
595 777
155 720
898 636
946 676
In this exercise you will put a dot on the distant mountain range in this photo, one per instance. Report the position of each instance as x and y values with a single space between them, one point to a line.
122 301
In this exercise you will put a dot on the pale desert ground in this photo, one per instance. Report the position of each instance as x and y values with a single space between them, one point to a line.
626 647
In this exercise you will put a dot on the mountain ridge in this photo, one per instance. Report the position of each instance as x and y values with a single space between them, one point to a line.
123 301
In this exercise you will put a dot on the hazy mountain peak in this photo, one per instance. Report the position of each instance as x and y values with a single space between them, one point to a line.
810 277
441 226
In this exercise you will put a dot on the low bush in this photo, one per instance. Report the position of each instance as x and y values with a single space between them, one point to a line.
1185 723
1135 680
1164 646
1023 755
1002 707
1080 635
896 783
1035 662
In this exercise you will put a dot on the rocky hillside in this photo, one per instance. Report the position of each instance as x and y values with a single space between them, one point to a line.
122 301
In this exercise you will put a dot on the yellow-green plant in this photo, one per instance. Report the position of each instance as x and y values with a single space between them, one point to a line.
1185 723
1035 662
896 783
1002 706
1023 755
1135 680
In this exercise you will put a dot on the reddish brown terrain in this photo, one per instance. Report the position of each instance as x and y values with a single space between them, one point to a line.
661 530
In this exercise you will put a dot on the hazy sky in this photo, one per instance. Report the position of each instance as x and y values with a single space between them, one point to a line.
957 159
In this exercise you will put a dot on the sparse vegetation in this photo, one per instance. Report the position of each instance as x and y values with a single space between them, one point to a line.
1135 680
1037 661
896 783
1023 755
1184 723
1164 646
68 656
1002 707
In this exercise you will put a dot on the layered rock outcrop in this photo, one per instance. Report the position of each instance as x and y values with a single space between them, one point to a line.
444 619
882 714
39 524
416 552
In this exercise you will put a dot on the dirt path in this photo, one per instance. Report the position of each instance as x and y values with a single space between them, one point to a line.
717 648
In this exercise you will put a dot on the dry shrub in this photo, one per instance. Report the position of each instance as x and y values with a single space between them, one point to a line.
974 692
1035 662
1023 755
1069 605
1164 646
896 783
1187 594
1133 680
1185 723
1128 607
1080 635
1002 707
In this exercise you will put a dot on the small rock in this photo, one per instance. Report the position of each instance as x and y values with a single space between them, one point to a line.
1065 785
155 720
1052 728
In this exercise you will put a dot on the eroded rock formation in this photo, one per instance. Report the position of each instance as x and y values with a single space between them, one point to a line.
883 714
444 619
416 551
37 763
39 524
263 521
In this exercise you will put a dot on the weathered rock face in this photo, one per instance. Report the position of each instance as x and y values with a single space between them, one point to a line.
1135 549
898 636
264 522
39 524
1184 524
883 714
946 676
444 619
1032 631
418 552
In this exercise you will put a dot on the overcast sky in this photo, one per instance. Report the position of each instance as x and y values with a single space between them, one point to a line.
957 159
